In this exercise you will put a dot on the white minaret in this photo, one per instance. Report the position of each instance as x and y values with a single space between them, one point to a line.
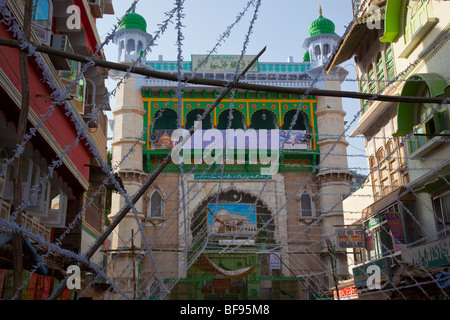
132 39
333 175
321 42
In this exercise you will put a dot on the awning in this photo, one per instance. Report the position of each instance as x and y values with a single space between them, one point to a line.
435 182
206 265
350 43
31 257
401 193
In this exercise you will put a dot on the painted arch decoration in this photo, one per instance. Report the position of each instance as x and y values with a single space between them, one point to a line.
437 87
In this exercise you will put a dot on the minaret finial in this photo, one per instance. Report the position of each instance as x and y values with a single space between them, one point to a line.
320 9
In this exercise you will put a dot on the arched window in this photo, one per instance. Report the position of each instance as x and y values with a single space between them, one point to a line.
264 119
156 206
317 52
326 50
374 176
237 120
380 71
165 119
306 205
196 115
140 47
121 49
131 47
417 15
301 122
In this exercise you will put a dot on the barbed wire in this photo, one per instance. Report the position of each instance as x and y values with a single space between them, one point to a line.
148 249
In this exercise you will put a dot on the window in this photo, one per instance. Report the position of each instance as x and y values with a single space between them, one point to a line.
131 47
317 52
364 104
416 16
390 63
56 206
374 176
41 17
306 205
326 50
121 49
427 124
156 206
372 84
379 241
380 72
384 175
140 47
441 206
37 192
392 164
41 13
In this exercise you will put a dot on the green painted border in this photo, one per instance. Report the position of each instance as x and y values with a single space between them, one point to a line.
392 21
405 114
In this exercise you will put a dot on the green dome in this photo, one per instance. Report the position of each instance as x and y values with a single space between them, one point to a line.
134 21
306 57
321 26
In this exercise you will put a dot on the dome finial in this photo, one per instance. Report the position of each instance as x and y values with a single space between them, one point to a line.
320 9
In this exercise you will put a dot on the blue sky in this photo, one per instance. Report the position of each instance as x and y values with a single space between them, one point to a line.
281 26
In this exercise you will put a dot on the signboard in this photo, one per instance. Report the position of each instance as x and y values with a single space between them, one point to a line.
231 176
346 293
431 255
232 219
294 140
275 262
351 237
222 63
239 139
395 225
361 273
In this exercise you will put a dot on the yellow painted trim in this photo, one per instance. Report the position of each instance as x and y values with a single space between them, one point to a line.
311 107
235 100
148 125
248 115
280 121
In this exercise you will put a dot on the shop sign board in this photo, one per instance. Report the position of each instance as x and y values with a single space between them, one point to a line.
431 255
395 225
362 273
351 238
275 262
346 293
222 63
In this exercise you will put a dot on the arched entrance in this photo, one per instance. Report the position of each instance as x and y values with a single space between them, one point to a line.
240 224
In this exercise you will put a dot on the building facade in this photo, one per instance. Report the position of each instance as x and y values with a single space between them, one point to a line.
228 230
63 202
400 49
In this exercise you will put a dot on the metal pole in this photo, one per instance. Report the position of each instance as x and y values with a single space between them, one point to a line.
17 237
134 263
220 83
331 252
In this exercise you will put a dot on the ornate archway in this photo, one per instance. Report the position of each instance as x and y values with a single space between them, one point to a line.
264 226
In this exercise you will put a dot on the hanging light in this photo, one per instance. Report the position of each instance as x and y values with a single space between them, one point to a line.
264 117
